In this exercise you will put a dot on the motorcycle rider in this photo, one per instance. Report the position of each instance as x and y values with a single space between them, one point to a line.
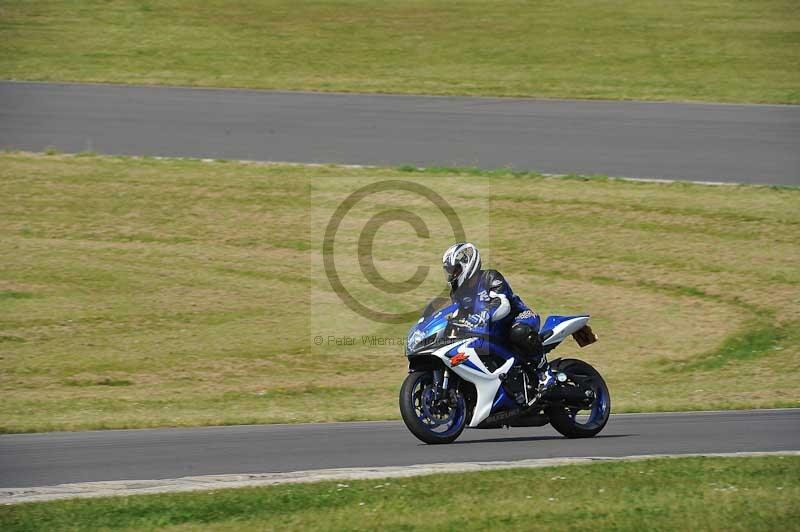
487 305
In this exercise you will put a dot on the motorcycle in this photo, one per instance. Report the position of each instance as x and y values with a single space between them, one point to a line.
459 378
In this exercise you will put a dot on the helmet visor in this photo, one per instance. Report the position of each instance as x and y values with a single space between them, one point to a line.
452 272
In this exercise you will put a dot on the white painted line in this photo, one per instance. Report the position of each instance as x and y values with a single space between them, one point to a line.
216 482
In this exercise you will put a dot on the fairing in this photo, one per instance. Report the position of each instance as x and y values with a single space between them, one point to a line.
426 338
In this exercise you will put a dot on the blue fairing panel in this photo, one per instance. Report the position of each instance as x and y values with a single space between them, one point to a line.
436 321
502 401
428 327
496 348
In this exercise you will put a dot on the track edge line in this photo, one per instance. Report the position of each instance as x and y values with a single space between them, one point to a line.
9 496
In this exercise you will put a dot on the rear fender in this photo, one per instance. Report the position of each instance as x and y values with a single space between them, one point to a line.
559 363
563 364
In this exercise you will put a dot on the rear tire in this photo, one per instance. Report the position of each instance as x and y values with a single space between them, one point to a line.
564 419
416 406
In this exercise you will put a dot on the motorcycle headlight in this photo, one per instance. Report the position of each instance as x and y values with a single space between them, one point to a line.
414 339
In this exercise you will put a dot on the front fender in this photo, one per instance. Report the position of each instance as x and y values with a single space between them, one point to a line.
424 362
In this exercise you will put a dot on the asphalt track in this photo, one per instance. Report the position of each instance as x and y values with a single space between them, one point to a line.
58 458
707 142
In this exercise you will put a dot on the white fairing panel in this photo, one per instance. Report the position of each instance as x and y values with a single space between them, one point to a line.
486 383
565 328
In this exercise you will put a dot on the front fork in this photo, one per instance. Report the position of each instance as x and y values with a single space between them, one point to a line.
443 377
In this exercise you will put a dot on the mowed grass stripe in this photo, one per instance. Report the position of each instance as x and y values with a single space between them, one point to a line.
137 292
709 50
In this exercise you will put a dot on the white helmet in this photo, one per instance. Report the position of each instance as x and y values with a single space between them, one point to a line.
461 261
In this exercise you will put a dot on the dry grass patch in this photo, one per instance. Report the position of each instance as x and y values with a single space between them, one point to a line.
138 292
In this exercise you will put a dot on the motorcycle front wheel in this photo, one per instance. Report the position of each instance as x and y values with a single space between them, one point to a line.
431 414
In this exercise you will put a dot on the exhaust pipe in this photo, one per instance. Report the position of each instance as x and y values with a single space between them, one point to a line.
570 394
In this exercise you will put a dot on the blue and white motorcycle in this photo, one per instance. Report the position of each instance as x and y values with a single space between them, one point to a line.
459 379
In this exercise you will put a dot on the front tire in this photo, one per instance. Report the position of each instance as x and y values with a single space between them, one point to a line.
565 419
433 420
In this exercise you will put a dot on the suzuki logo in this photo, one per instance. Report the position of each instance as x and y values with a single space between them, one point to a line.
458 358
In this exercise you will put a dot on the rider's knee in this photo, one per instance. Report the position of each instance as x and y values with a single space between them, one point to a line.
525 339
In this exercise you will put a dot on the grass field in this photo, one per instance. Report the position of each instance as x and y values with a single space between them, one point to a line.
710 50
141 292
667 494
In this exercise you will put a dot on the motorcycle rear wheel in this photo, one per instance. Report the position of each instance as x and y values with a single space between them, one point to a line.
565 419
432 420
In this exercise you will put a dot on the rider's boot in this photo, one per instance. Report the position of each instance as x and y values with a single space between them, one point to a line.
546 380
541 379
534 383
